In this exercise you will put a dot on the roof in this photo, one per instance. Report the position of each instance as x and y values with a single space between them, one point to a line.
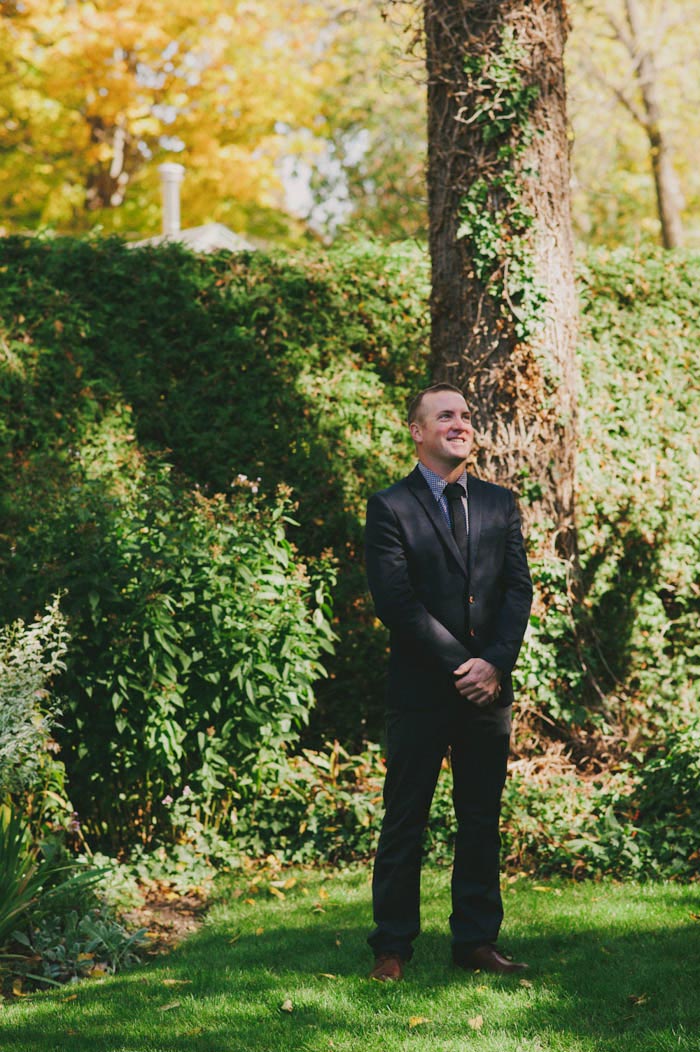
211 237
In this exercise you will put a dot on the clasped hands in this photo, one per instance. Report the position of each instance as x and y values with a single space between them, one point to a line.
478 681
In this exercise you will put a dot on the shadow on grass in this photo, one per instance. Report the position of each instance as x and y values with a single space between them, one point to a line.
596 986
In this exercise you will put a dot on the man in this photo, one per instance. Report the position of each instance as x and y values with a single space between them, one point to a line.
448 574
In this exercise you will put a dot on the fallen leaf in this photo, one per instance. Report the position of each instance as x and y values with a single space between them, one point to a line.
322 893
638 999
276 892
176 982
476 1022
249 902
287 1006
259 931
338 940
317 908
540 888
695 916
168 1008
85 957
482 989
327 975
417 1020
234 939
526 983
71 997
17 988
290 882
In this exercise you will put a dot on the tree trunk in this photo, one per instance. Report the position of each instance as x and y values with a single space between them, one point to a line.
106 182
665 181
503 302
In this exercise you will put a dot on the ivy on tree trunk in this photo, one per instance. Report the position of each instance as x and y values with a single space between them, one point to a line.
503 302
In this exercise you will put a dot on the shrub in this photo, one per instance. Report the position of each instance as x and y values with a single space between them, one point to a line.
666 802
197 634
32 876
30 656
321 806
638 820
74 944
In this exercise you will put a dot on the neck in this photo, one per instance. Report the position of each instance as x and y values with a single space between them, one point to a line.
448 472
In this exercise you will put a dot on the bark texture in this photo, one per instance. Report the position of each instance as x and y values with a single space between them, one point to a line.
522 388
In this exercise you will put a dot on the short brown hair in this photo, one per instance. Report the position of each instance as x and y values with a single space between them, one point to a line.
414 407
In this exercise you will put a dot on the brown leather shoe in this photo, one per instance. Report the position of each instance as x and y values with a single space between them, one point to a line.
488 959
388 967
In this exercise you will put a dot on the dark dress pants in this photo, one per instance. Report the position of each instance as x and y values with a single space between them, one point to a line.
416 745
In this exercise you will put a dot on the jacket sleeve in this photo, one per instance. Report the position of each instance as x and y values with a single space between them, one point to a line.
395 599
506 639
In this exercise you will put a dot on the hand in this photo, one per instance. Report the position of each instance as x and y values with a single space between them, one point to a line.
478 681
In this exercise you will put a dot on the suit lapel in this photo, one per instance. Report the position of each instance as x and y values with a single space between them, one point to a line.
475 507
421 490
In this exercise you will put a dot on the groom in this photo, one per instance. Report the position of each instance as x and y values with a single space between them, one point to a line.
448 574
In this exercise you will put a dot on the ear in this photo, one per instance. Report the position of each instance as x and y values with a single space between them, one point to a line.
414 428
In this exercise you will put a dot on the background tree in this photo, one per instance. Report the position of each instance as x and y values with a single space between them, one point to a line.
378 126
303 116
633 93
93 96
503 304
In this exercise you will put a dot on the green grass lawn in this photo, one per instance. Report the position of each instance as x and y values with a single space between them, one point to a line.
613 966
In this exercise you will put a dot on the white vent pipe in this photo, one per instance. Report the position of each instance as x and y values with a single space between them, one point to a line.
171 175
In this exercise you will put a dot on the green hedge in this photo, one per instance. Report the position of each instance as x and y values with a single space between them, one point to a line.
639 501
117 363
294 371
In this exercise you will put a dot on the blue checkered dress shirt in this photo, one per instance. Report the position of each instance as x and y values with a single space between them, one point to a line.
437 488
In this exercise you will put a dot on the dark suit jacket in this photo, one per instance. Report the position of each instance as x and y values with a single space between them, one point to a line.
441 611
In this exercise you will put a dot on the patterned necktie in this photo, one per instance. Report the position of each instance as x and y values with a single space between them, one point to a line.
454 493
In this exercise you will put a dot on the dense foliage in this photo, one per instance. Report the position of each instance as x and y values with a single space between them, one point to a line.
137 386
632 821
295 372
194 648
639 503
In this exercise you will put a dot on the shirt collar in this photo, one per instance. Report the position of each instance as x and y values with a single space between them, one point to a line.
437 483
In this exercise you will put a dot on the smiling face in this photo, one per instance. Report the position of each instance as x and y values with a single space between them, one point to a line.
443 433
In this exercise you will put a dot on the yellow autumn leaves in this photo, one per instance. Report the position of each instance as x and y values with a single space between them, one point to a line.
94 95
